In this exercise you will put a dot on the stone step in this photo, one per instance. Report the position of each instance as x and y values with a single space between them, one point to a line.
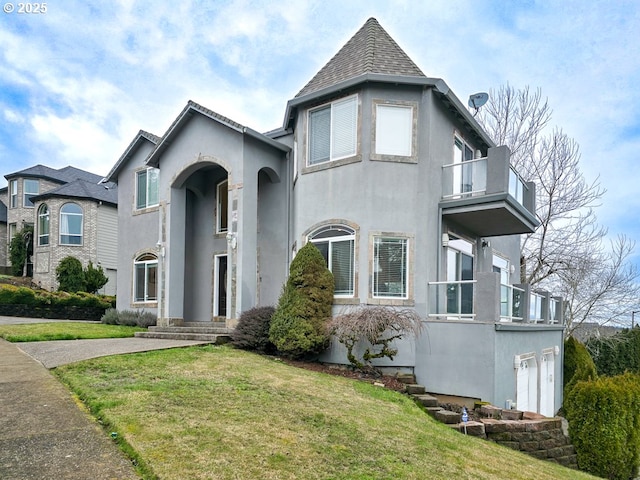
406 378
191 329
426 400
448 417
431 411
217 339
218 324
414 389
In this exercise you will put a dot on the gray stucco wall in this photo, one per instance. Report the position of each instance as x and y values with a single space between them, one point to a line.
138 231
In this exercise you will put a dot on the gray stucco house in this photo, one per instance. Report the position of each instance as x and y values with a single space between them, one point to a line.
72 214
387 172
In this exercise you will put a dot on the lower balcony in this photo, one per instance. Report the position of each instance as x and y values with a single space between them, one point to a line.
485 299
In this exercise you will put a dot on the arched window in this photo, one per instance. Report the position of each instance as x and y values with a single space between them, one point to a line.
337 245
43 225
145 278
71 224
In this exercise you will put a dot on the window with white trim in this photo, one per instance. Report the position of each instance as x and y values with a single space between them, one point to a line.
337 245
147 188
333 131
390 267
43 225
71 220
13 194
394 130
145 278
222 192
30 188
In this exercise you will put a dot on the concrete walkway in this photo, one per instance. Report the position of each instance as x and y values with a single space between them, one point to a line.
45 434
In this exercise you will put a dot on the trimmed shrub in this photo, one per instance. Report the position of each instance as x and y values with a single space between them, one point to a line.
616 354
70 275
299 324
604 425
252 331
94 278
578 364
375 328
130 318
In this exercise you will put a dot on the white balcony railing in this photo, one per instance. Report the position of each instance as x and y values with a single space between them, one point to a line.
511 303
465 179
458 301
452 300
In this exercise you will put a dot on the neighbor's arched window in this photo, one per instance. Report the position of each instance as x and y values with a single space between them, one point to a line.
337 245
145 279
43 225
71 224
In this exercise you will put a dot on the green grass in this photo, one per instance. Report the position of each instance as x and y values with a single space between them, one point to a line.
215 412
38 332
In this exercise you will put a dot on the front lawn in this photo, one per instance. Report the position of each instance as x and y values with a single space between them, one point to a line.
38 332
216 412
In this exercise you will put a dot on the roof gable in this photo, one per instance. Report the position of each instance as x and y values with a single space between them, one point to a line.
370 51
140 138
62 175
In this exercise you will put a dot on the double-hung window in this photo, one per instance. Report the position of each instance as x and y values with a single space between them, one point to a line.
43 225
390 272
71 217
146 278
30 189
337 245
333 131
13 194
147 188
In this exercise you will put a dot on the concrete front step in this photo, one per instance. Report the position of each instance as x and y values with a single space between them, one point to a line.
218 330
215 338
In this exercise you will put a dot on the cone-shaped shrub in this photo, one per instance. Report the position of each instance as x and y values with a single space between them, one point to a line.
578 364
299 324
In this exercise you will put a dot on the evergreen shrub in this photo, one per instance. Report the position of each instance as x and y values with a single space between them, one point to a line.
299 324
70 275
604 425
252 331
578 364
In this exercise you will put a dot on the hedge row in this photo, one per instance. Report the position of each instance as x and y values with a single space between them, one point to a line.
616 354
25 302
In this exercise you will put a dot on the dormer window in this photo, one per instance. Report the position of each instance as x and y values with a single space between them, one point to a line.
333 131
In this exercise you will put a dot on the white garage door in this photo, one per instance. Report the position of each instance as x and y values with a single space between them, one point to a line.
527 383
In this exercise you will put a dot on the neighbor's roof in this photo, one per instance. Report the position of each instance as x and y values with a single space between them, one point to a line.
370 50
62 175
82 189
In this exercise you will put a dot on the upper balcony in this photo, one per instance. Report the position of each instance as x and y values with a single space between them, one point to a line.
488 197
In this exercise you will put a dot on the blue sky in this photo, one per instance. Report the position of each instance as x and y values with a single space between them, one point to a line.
79 81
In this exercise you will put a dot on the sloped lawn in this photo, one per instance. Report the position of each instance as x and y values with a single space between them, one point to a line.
219 413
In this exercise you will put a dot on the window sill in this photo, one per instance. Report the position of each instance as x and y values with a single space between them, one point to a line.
393 158
142 211
331 164
396 302
346 301
153 304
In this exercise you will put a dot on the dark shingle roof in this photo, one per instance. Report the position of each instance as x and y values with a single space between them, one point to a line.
370 50
83 189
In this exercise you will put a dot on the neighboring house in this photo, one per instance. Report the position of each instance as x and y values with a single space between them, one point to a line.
4 247
72 215
391 177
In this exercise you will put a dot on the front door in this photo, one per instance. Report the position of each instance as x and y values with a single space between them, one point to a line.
220 287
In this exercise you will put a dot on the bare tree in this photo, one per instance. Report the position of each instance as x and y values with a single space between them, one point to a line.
567 252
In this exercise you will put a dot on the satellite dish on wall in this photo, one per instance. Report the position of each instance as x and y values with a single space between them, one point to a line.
477 100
